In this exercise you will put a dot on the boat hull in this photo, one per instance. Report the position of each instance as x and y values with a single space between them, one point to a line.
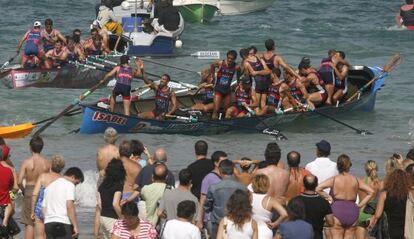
236 7
196 11
65 77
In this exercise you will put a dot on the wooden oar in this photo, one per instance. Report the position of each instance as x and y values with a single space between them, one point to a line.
388 67
9 61
69 107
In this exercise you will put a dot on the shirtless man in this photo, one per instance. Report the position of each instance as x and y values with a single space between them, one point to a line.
278 177
130 191
102 32
108 151
57 56
30 171
96 47
75 53
50 36
314 85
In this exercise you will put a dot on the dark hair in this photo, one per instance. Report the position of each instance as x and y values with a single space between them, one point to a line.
60 41
305 63
186 209
2 141
262 164
343 163
115 173
226 167
253 48
201 147
166 75
232 53
130 209
124 59
293 159
410 154
409 2
272 153
136 147
243 52
310 182
36 144
125 149
160 172
342 54
76 30
246 168
185 177
239 208
331 52
49 22
296 209
75 172
270 44
215 157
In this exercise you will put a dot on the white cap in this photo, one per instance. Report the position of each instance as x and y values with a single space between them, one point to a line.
96 23
37 24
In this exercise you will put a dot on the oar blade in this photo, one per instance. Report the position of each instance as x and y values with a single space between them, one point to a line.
16 131
393 63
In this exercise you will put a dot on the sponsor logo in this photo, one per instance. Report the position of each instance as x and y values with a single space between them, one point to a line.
109 118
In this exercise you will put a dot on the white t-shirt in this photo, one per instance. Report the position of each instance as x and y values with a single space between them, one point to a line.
54 202
323 168
175 229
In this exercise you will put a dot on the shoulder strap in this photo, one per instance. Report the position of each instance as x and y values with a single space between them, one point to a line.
216 174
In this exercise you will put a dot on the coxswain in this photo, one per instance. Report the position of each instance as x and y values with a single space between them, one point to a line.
32 39
207 84
244 99
107 19
75 53
405 18
227 68
341 68
258 70
96 47
101 31
274 60
313 83
165 98
56 57
327 75
50 36
278 97
124 75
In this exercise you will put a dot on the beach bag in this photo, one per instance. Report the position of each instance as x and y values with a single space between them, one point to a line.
12 228
409 218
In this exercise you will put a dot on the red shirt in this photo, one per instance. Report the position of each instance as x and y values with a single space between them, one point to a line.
6 184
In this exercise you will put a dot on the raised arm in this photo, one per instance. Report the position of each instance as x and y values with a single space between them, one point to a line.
279 60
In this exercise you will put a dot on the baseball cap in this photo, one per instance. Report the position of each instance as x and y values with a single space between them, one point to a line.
6 151
324 146
110 135
37 24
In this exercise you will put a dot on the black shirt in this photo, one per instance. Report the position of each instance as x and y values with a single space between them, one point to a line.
316 208
145 177
170 18
107 196
199 169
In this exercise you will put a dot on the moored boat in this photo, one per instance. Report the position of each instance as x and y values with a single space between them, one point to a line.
96 119
196 10
236 7
68 76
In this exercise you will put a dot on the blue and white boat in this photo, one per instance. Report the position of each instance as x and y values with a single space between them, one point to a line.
97 119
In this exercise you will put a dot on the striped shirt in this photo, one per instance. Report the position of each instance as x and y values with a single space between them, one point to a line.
120 229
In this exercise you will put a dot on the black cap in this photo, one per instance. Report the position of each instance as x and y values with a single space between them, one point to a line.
124 59
324 146
246 80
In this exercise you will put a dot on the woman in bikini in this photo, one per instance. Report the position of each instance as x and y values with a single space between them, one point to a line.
344 190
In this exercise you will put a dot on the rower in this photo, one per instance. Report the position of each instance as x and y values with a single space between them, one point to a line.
56 57
124 75
296 88
311 80
74 52
274 60
96 47
164 96
258 70
327 75
405 18
50 36
207 84
278 96
32 49
101 31
341 68
244 99
222 87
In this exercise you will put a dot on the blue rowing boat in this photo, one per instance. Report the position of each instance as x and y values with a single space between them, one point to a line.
96 119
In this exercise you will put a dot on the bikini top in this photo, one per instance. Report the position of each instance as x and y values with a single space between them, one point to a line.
332 192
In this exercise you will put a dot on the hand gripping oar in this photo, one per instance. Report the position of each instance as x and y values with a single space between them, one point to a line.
9 61
69 107
388 67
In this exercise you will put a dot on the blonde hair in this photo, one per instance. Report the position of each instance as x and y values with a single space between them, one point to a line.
371 170
390 166
58 163
260 184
